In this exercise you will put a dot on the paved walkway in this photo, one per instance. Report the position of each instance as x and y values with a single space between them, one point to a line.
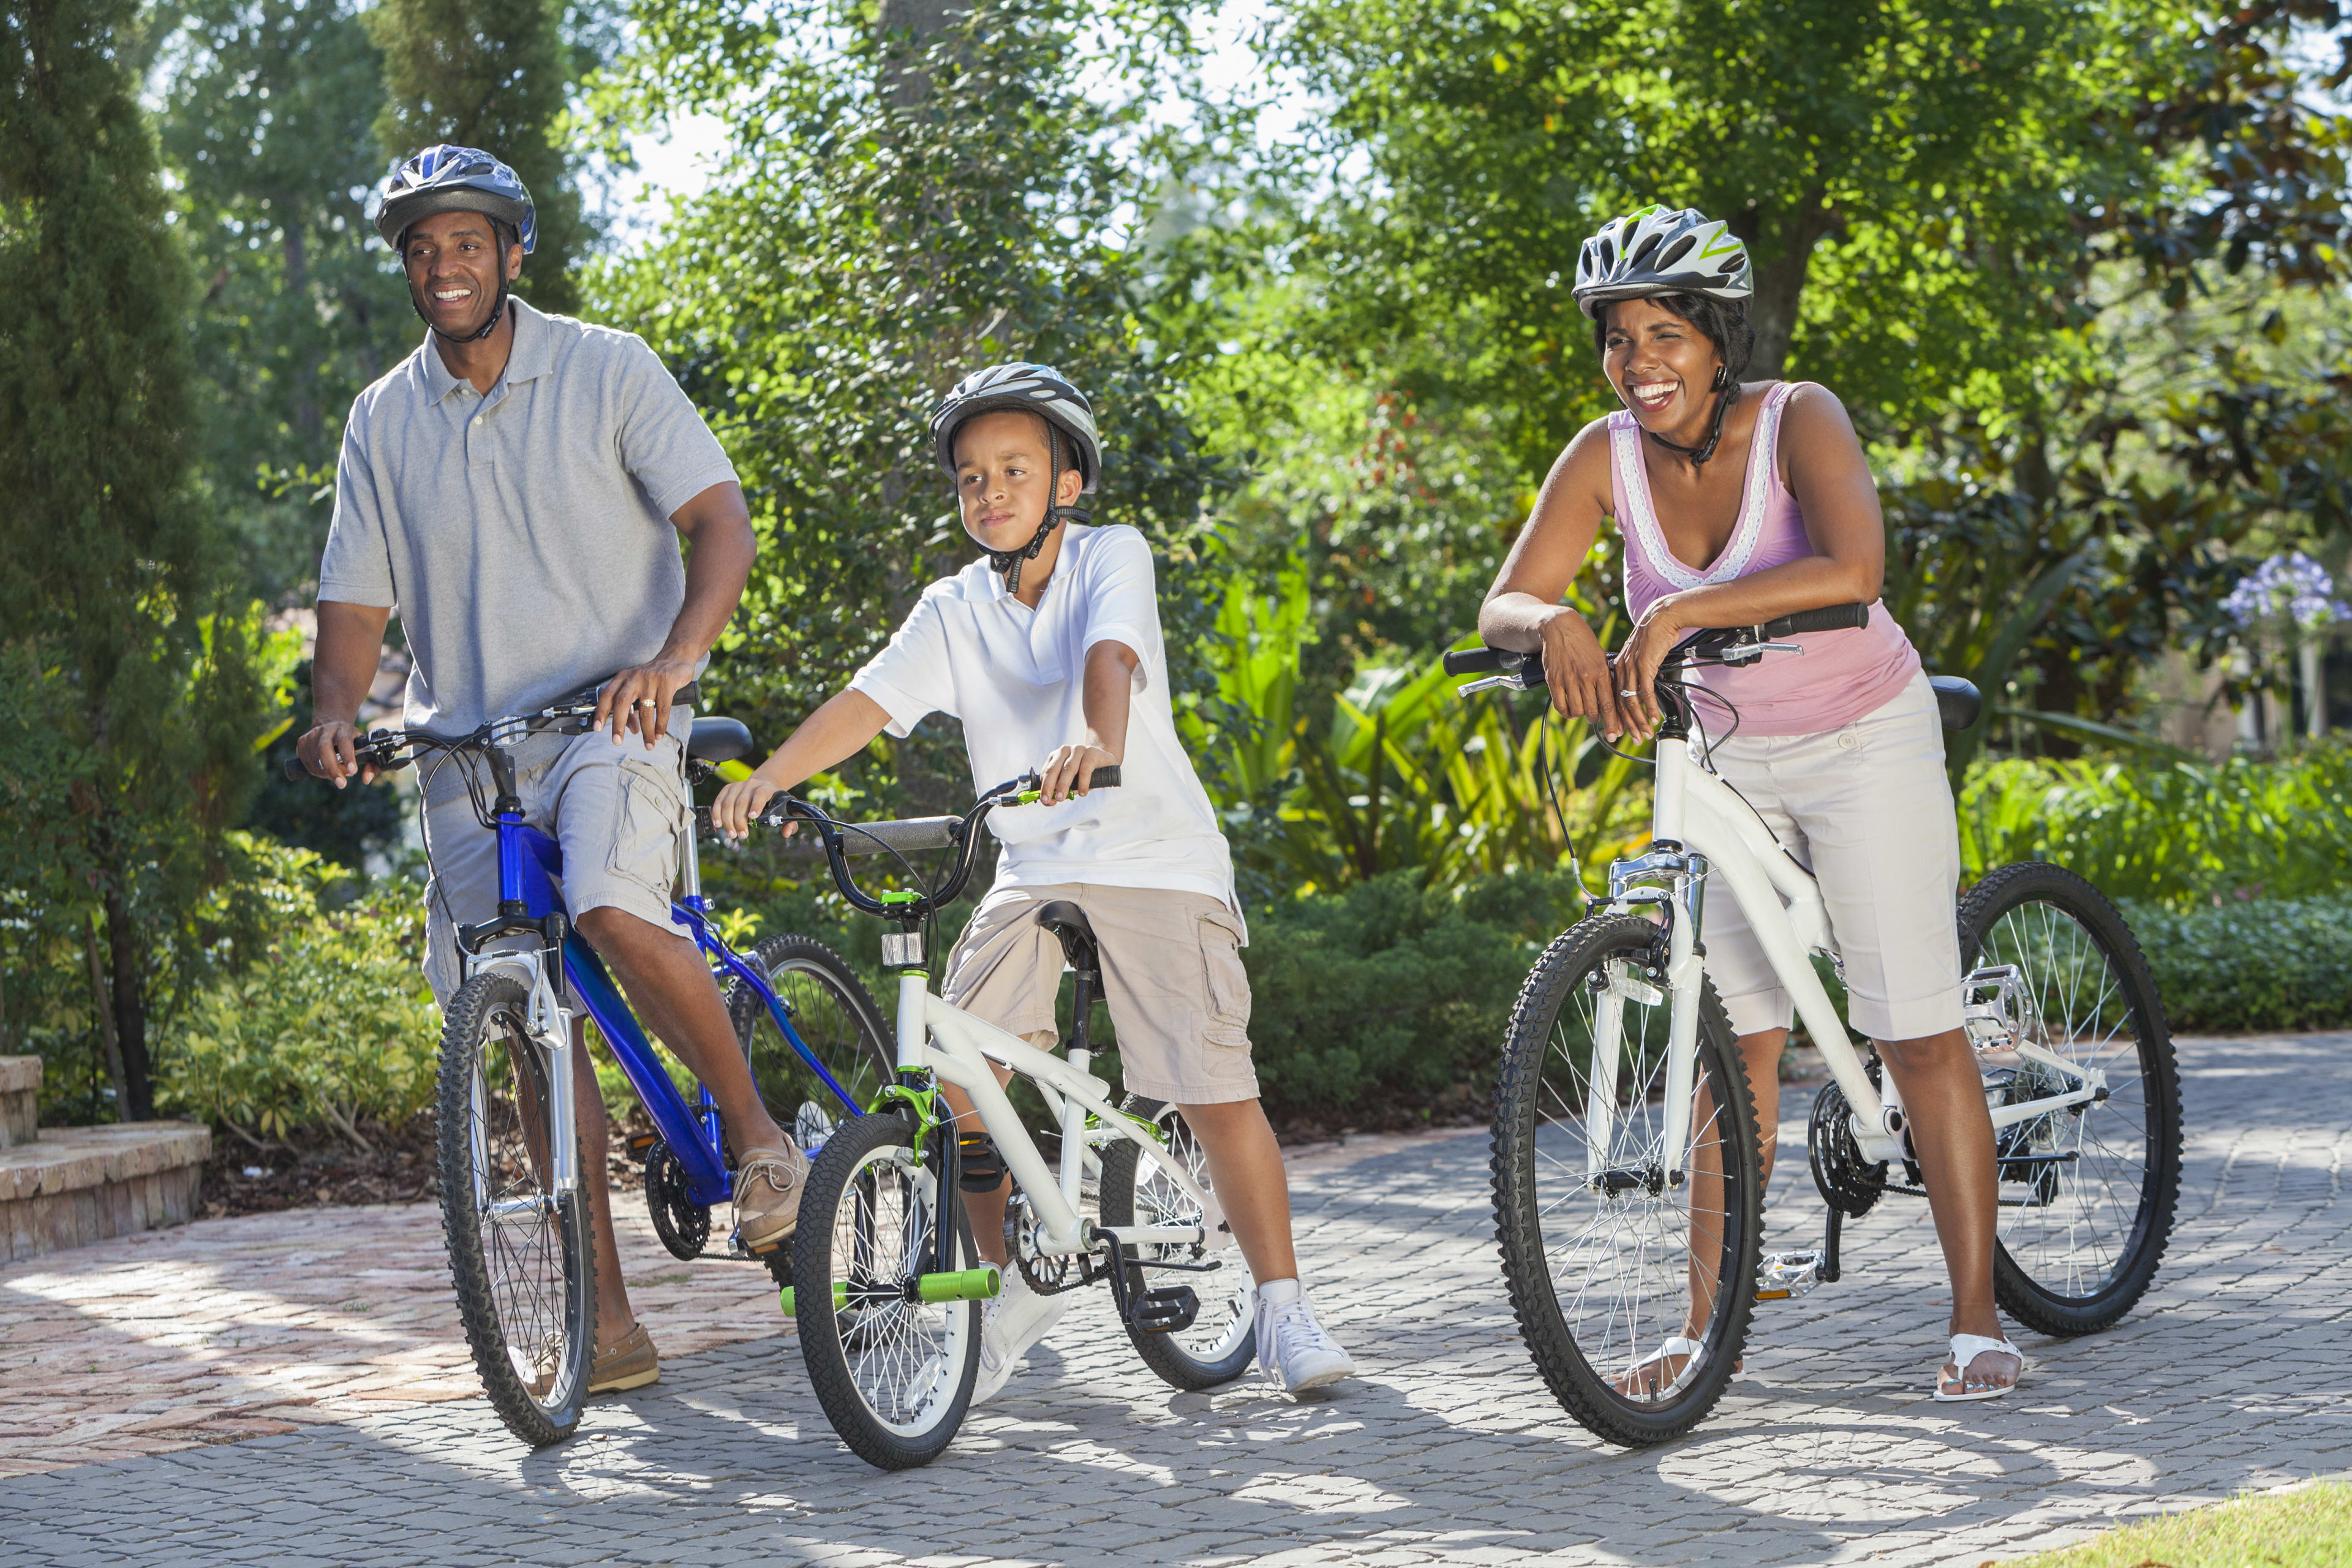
2236 1373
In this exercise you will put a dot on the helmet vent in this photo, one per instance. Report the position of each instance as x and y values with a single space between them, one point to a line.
1642 252
1677 251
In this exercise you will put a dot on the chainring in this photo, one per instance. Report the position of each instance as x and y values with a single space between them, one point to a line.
1046 1276
683 1225
1848 1182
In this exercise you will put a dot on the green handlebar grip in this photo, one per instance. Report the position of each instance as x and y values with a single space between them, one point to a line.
840 1298
979 1284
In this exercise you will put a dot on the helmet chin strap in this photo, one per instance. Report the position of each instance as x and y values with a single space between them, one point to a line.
1010 561
497 309
1726 393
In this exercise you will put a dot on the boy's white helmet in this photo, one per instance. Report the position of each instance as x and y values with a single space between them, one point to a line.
1038 388
1653 251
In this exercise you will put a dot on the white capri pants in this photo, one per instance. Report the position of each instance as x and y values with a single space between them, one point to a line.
1868 809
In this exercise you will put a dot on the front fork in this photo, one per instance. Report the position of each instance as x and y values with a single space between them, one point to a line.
1680 904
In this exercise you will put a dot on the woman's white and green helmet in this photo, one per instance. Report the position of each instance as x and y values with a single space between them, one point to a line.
1074 442
1653 251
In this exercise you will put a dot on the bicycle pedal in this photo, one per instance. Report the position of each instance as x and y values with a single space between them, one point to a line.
1782 1275
1168 1309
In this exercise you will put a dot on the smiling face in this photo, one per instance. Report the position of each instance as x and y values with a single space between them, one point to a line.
454 268
1000 467
1662 365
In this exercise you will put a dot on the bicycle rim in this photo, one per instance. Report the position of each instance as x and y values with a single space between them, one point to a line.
2086 1194
833 1016
1139 1190
1605 1251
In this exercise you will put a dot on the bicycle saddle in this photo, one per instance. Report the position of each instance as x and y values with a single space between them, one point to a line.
1958 701
718 739
1069 922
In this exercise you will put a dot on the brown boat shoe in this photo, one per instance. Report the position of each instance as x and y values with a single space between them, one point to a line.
630 1362
768 1183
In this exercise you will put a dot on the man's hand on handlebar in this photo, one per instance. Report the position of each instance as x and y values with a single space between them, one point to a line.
739 802
1577 673
1070 771
638 699
331 750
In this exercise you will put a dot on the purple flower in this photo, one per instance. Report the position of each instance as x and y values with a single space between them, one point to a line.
2290 587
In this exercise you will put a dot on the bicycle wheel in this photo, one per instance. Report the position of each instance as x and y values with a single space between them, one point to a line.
1135 1190
2086 1194
1608 1255
893 1374
835 1017
520 1256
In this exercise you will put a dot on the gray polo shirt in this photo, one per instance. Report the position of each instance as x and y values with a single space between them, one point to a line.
523 534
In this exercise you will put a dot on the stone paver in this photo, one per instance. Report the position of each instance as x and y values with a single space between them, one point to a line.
2233 1373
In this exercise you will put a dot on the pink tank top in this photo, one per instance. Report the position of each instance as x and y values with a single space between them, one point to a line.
1841 676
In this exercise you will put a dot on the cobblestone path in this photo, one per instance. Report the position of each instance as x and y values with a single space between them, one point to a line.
2235 1372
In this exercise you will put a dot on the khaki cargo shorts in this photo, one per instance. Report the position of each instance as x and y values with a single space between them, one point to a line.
1172 976
616 811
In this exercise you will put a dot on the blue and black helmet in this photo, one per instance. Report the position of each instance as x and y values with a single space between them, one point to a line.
456 179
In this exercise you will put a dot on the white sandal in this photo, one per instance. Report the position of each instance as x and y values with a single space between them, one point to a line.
1966 1348
1675 1345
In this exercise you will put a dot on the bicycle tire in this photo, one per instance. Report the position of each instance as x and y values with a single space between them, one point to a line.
876 1224
837 1019
1223 1340
2066 1279
530 1327
1542 1138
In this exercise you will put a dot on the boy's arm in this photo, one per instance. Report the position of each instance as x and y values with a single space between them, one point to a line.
845 726
1109 680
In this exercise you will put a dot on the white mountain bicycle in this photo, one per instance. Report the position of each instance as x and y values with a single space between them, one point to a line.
887 1286
1626 1158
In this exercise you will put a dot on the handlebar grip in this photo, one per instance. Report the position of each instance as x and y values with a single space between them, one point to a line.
1104 778
293 769
1472 661
1829 618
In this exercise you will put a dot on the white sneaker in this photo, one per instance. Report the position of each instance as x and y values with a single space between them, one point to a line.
1008 1325
1292 1348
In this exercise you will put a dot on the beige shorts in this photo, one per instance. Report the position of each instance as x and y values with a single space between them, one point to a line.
1868 810
1172 976
616 811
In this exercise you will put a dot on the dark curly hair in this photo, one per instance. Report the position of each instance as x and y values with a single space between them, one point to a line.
1723 322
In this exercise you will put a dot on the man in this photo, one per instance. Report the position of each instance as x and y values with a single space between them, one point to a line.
512 489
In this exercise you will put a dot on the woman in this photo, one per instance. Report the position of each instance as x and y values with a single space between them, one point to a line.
1737 503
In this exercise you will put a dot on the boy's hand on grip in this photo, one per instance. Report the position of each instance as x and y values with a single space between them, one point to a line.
739 802
1070 771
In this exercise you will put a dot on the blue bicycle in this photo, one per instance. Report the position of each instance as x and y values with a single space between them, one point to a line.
514 1208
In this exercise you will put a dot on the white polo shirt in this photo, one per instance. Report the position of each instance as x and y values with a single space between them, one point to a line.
1015 677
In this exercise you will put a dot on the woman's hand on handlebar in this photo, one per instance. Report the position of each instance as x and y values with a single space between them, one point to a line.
731 814
330 752
1071 770
1635 667
1577 671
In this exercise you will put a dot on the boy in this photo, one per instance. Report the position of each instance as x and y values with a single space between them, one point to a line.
1051 649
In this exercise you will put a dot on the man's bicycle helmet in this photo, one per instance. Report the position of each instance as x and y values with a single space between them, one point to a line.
1653 251
447 179
1035 389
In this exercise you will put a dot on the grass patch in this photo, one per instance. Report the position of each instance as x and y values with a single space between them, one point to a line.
2307 1528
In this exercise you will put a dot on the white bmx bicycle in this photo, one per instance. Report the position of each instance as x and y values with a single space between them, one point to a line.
1626 1156
887 1285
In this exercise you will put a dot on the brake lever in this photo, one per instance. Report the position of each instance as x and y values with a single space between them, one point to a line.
1489 682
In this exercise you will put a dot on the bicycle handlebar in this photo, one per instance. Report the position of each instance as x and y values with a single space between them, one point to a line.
382 746
1527 671
911 836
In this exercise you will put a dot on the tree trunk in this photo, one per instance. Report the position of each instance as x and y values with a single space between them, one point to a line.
137 1101
102 1005
1779 250
925 19
307 423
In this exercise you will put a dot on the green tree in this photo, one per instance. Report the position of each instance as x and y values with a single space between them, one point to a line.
127 751
496 74
907 203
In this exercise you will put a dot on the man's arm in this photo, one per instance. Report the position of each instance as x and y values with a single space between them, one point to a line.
719 525
343 667
1109 682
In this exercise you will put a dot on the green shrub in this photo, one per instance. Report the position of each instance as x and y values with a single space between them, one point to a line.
1387 988
2252 965
2179 835
330 1025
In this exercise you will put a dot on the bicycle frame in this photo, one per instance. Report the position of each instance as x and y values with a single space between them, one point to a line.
942 1040
1700 824
529 860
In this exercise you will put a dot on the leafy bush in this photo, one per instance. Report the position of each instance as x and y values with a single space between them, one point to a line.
330 1025
2264 963
2177 836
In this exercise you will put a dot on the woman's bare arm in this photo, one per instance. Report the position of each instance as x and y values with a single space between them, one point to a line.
1523 610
